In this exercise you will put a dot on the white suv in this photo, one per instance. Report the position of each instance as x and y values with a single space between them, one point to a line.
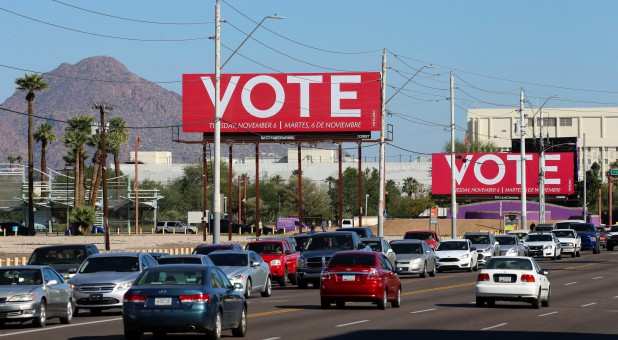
543 244
570 242
177 227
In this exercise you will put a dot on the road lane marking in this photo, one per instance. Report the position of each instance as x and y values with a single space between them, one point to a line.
546 314
437 289
496 326
588 305
423 311
598 277
272 338
577 267
280 311
58 327
351 323
570 283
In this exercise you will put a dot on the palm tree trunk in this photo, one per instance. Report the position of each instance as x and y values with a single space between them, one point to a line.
44 165
30 99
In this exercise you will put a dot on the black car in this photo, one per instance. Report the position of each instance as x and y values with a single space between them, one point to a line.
9 229
63 257
205 249
361 231
237 228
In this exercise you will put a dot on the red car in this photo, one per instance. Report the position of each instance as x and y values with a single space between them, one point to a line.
429 236
281 258
359 276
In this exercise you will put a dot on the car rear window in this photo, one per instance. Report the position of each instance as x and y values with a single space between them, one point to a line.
352 260
265 248
538 238
407 248
506 240
339 242
59 255
478 239
374 245
210 249
171 277
505 263
563 233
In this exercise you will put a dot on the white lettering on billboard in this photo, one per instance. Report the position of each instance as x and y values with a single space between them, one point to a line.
459 173
246 96
485 160
304 82
551 168
337 95
210 88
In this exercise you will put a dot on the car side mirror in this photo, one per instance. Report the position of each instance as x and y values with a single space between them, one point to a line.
254 263
288 252
361 246
545 272
52 282
72 270
472 248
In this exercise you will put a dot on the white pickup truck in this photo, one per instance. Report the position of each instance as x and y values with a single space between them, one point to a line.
569 241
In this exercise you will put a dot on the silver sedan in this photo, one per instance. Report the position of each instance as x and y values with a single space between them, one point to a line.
414 257
511 245
35 293
245 267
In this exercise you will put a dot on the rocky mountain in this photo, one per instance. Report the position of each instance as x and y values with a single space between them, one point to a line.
149 110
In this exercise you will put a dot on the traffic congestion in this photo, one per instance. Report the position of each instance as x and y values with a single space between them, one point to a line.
224 290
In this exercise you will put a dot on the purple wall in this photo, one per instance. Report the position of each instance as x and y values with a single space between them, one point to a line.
491 210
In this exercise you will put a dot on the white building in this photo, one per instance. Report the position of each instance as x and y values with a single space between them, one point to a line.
599 124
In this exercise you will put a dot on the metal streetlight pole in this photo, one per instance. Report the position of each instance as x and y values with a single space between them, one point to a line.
366 198
522 175
453 182
542 164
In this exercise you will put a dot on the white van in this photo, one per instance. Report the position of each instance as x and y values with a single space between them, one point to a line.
347 222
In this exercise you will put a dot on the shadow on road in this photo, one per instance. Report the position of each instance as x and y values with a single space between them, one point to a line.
463 335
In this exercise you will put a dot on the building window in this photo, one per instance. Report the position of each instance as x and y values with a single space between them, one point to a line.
549 121
606 161
589 161
566 121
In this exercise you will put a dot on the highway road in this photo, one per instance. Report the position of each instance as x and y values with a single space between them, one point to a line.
584 304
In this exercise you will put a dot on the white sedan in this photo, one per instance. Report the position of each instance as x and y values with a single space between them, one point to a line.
512 278
456 254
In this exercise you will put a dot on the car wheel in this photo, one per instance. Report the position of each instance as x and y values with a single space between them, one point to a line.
536 302
96 311
302 284
480 302
424 272
159 335
439 270
382 301
559 257
325 303
75 312
476 266
68 314
574 253
432 273
610 247
597 249
41 320
268 289
215 333
397 302
241 330
293 278
283 280
130 334
248 289
545 302
340 304
491 302
555 256
470 268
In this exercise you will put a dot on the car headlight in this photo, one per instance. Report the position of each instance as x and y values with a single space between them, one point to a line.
512 251
547 246
416 261
438 258
238 277
593 238
275 262
124 285
302 262
464 256
22 298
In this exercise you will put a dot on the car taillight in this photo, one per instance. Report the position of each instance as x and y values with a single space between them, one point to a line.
373 274
527 278
194 298
325 275
482 277
129 297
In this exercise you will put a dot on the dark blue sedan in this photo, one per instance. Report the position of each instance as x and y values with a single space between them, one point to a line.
180 298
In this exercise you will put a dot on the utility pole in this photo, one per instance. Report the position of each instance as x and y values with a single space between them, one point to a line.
216 200
541 171
102 107
453 183
135 187
382 170
522 133
585 180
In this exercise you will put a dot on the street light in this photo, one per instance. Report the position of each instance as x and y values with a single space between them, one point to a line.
216 229
409 80
366 197
542 162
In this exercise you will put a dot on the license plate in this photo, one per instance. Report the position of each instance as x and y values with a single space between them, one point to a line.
348 277
96 297
166 301
504 279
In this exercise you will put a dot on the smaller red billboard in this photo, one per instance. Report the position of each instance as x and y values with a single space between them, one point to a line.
500 173
283 103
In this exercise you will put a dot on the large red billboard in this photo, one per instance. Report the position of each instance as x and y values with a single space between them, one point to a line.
283 103
499 173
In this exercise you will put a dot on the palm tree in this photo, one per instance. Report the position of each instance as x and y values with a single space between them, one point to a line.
118 136
76 136
19 158
44 134
31 83
410 186
82 218
11 160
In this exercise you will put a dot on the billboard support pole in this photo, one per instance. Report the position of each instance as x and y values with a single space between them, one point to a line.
453 165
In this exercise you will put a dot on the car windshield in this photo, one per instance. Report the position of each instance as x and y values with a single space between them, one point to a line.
339 242
538 238
407 248
352 260
208 250
564 225
176 260
478 239
506 240
20 277
418 236
110 264
233 260
301 240
171 277
374 245
508 263
265 248
452 246
614 229
564 233
50 256
583 227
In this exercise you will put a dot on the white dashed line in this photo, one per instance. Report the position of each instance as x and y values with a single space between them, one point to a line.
58 327
496 326
277 338
598 277
352 323
570 283
546 314
423 311
590 304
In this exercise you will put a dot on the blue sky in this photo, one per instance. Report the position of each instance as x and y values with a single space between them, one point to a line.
494 48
